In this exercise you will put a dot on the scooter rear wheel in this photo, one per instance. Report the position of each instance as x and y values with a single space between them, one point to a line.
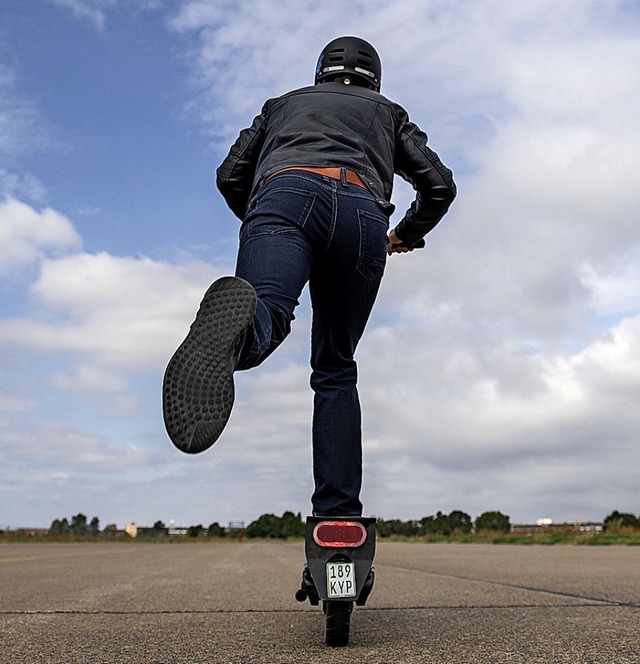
338 622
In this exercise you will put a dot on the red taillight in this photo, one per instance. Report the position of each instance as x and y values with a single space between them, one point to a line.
339 534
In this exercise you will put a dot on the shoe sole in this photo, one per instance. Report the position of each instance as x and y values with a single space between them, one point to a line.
198 389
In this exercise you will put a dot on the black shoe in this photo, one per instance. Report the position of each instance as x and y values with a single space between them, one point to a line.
198 389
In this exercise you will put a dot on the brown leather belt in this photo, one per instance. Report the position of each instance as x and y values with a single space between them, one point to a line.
335 173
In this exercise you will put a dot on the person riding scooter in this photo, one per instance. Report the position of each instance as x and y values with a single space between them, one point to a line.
311 181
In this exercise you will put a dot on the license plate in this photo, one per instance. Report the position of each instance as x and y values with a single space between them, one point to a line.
341 579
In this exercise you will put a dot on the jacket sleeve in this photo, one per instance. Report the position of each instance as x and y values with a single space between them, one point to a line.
234 177
431 179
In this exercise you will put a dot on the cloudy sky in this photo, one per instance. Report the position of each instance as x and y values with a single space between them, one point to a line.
501 368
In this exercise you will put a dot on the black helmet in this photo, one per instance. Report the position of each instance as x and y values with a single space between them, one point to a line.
350 56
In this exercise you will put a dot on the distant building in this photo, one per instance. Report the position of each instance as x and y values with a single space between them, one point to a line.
547 526
133 530
235 527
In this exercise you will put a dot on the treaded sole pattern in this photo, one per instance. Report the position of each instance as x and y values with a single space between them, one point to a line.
198 389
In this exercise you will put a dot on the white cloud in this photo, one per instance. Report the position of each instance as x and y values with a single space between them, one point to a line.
87 378
122 311
26 234
14 185
467 426
119 311
615 289
10 403
92 10
61 447
22 126
95 336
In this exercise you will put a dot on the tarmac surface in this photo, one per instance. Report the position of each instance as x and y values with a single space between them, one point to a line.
233 602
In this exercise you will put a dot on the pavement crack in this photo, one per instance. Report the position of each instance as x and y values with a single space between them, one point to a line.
515 586
376 609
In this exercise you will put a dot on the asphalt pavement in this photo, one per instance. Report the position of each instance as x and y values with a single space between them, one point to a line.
233 602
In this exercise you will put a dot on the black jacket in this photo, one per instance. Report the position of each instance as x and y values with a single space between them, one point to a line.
333 124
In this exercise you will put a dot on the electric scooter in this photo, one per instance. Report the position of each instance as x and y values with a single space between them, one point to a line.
338 571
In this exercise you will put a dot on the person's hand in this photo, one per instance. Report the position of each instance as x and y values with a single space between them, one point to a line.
395 245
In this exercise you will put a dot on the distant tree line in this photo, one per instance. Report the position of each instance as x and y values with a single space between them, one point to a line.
269 526
78 525
290 525
621 521
456 522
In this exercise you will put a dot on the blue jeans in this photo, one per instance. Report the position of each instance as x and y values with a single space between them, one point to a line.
303 227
